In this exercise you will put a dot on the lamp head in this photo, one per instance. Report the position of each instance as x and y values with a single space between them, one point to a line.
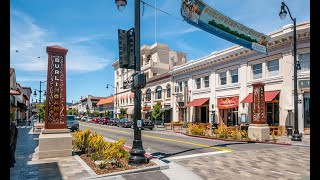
283 12
34 93
121 4
107 86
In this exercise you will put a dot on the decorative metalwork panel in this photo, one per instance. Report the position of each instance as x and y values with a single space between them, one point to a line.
258 109
56 101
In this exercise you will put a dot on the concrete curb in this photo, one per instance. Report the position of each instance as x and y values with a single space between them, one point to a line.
84 165
160 166
222 139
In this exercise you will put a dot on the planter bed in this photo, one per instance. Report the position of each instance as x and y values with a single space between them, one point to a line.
225 139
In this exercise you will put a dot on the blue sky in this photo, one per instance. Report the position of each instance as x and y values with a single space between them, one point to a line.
88 29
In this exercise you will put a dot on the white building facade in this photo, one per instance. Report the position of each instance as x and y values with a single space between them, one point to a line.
217 88
155 60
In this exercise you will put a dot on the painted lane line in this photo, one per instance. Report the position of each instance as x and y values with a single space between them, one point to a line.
190 143
197 155
173 140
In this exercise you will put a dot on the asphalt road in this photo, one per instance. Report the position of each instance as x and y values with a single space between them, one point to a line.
162 143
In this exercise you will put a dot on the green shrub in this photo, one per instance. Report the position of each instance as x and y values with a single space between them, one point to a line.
195 129
81 140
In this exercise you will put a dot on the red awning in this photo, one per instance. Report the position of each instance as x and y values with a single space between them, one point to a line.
268 96
198 102
14 92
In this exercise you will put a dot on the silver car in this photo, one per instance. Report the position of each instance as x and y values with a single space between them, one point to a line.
72 123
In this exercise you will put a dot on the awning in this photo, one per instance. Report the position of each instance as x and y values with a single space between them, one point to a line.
165 109
198 102
130 111
228 103
21 106
14 92
268 96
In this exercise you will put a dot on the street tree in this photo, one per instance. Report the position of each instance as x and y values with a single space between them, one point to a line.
107 113
122 112
156 113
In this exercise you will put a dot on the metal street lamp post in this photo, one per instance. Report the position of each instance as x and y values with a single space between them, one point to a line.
115 108
296 136
40 91
137 152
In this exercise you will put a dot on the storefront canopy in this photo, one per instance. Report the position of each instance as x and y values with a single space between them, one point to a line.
268 96
165 109
198 102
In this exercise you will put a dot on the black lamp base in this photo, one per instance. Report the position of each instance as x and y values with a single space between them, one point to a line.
137 153
296 136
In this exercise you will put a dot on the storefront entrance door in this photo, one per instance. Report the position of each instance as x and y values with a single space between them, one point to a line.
306 113
204 114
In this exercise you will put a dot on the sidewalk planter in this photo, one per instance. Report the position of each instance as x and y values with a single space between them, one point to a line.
101 156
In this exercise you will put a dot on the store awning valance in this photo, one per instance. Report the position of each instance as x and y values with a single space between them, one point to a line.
14 92
268 96
228 103
198 102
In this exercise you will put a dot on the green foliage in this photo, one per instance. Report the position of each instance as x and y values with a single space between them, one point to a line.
11 113
122 112
88 112
94 156
72 111
42 110
81 140
274 137
96 144
107 113
114 153
199 130
156 113
102 165
96 114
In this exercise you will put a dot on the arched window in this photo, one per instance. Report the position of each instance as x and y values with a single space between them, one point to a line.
148 95
158 92
168 91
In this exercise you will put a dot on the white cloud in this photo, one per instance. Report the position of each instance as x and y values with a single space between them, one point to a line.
31 40
176 32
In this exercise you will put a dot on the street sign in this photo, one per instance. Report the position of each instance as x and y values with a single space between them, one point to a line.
139 123
304 84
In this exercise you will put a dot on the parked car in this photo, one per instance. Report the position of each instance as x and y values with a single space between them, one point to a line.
104 120
84 118
145 124
112 122
89 119
72 123
124 123
95 120
78 118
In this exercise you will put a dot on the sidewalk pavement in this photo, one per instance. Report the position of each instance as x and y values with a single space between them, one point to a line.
29 167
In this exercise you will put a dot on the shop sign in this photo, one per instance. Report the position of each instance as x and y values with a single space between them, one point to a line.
56 89
258 109
227 103
304 84
199 14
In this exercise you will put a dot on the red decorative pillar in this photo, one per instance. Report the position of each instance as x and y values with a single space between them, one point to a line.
258 130
259 108
56 88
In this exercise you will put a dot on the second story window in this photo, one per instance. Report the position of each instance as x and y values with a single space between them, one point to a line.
257 71
158 92
148 95
223 78
305 61
168 91
179 86
273 68
206 81
198 83
234 76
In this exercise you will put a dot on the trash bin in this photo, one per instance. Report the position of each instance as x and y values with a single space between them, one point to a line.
289 131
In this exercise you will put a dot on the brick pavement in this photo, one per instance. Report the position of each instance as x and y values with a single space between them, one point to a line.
286 162
28 167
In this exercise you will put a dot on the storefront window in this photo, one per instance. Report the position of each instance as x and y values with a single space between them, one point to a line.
206 81
168 91
198 83
273 68
234 76
158 92
257 71
223 78
306 114
273 113
305 62
148 95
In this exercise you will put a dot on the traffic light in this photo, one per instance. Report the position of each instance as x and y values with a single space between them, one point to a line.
123 48
126 49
